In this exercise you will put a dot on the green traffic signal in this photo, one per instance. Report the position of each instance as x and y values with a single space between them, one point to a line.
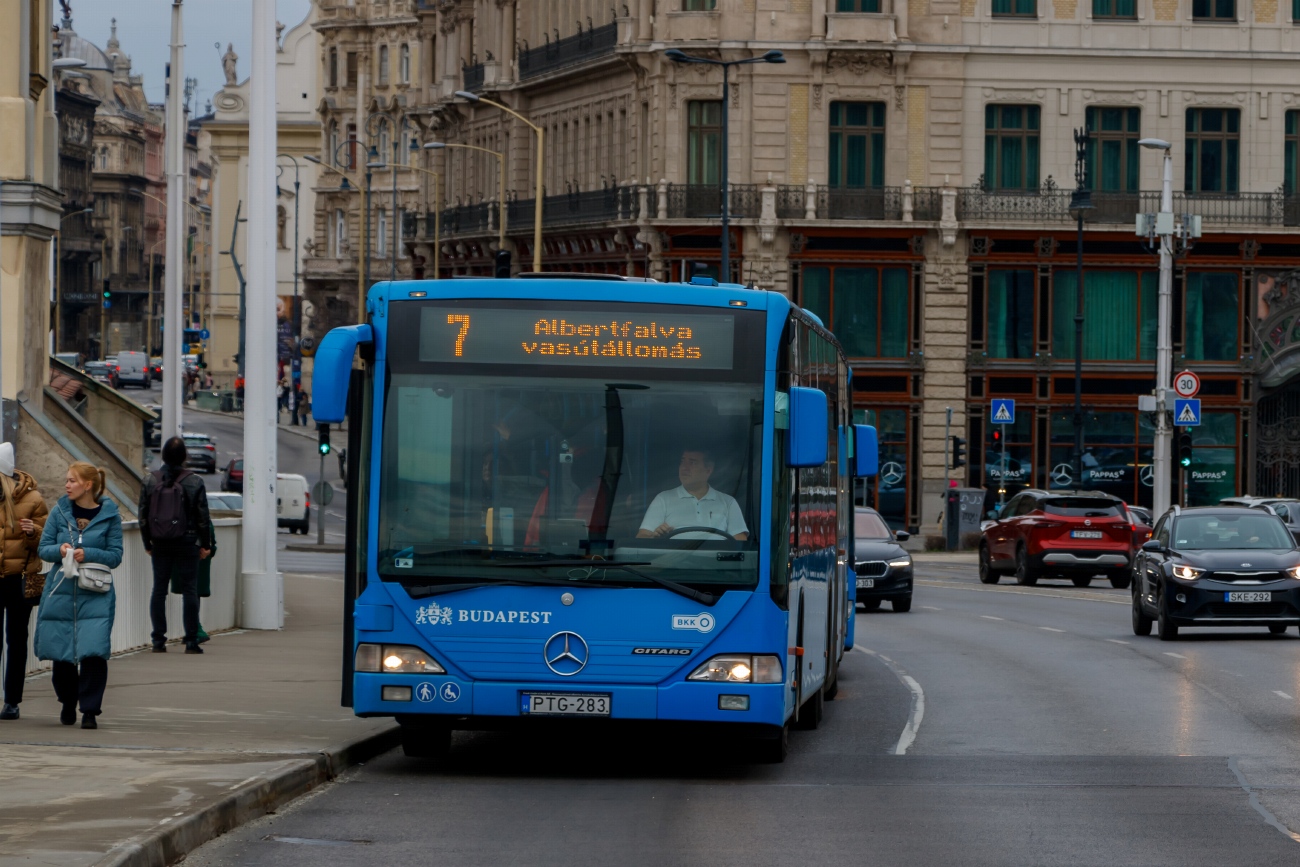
1186 462
323 432
324 448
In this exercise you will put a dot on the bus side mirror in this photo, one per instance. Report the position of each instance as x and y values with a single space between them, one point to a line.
866 451
332 371
806 444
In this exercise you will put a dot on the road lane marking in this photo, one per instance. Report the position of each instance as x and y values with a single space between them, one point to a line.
1174 655
929 608
1050 629
951 585
990 617
1116 641
917 713
1281 693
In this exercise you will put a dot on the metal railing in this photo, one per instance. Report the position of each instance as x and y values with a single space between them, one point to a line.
847 203
1051 204
583 45
410 224
473 77
595 206
466 219
704 201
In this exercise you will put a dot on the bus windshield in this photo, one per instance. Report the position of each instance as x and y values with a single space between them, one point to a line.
498 478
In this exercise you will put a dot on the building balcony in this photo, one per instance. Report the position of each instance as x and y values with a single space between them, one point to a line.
472 77
860 27
1050 204
569 51
704 201
610 205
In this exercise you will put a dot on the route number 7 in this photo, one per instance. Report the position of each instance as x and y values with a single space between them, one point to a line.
462 320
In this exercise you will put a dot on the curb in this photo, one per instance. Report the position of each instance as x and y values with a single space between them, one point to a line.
327 548
262 795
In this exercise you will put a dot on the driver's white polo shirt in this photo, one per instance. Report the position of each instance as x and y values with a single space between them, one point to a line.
679 508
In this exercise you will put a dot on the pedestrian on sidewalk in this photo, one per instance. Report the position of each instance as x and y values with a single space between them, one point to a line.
304 407
74 623
176 531
205 578
22 518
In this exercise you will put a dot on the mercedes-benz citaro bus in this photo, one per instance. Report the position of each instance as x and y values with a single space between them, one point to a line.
581 499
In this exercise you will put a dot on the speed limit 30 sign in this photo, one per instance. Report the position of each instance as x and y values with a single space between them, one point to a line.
1187 384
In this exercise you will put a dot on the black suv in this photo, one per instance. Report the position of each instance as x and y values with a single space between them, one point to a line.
1217 566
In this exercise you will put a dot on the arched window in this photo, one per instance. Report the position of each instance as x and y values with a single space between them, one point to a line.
404 64
383 64
340 231
384 142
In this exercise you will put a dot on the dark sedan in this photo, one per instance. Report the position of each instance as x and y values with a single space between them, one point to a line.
882 567
1217 566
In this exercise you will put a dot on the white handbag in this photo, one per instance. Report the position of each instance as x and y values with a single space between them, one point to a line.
95 577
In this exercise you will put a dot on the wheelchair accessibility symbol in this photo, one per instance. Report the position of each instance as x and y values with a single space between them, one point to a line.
449 691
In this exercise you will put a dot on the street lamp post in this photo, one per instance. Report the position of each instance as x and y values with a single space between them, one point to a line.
501 183
678 56
1080 204
1160 461
295 315
541 189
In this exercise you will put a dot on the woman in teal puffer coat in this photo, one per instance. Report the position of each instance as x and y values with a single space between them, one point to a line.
73 625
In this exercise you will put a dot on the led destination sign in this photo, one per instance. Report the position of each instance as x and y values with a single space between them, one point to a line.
577 337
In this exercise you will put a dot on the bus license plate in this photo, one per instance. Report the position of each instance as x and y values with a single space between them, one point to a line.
1086 534
866 583
565 704
1257 596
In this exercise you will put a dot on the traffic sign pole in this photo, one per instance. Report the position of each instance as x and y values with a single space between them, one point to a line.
1003 412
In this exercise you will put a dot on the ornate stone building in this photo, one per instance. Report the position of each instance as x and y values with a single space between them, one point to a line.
906 174
77 297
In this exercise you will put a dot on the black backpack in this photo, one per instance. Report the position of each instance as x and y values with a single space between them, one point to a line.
168 515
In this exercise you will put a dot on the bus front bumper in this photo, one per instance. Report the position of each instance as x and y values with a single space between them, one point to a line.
451 697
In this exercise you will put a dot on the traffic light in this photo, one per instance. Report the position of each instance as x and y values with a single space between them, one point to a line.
323 432
108 295
1185 449
958 453
502 264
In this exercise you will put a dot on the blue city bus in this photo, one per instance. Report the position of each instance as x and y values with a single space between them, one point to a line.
574 499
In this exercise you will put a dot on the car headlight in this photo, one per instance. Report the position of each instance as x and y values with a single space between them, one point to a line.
900 563
1294 572
739 668
395 659
1187 573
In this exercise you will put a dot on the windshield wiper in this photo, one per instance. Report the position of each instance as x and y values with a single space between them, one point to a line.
420 591
680 589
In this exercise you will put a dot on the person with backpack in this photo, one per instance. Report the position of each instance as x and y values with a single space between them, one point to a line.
177 532
74 624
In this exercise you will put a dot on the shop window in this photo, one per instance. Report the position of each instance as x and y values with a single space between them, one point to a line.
1213 150
704 141
857 5
1015 8
1117 454
1113 148
857 144
1119 315
1214 10
1010 314
1213 473
1011 147
867 308
1210 316
1114 8
1292 147
1008 465
886 492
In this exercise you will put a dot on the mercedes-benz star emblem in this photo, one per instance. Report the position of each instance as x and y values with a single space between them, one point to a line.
565 653
1061 476
1147 476
891 473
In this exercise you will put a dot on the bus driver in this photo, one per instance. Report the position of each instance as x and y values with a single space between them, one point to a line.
693 504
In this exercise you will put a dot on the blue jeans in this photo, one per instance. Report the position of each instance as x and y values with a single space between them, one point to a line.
186 569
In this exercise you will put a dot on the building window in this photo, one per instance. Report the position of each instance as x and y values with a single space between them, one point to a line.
699 5
1210 316
404 64
381 232
1292 152
1011 147
1010 314
1213 150
704 141
1119 315
383 65
351 149
1214 10
352 69
1113 148
340 231
399 225
334 67
1295 10
1114 8
867 308
857 144
1015 8
332 144
383 142
857 5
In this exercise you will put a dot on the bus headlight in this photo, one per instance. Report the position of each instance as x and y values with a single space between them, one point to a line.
739 668
395 659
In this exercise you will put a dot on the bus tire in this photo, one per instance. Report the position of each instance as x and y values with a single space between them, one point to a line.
425 742
810 715
772 751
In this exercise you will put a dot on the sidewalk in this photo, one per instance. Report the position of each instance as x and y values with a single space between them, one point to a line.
188 746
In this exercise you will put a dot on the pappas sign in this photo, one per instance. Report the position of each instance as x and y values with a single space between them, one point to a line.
577 337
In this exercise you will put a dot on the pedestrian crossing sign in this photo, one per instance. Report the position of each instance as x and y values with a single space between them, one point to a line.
1187 411
1003 411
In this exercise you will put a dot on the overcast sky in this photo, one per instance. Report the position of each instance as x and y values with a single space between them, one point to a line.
144 29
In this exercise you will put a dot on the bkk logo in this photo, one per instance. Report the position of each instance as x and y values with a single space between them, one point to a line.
703 622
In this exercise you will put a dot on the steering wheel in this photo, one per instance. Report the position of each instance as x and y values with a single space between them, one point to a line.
712 530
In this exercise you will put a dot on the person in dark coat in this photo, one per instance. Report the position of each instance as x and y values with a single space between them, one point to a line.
22 518
74 625
179 555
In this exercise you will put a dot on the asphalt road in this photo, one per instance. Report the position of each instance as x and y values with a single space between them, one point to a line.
1045 733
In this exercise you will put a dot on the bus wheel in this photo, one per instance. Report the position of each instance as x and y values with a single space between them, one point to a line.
772 751
425 742
810 715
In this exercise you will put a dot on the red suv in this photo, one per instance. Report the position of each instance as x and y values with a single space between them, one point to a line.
1059 534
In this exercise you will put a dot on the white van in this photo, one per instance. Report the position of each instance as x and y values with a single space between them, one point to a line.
292 502
133 368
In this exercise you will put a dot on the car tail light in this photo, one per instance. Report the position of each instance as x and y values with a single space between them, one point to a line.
210 447
308 498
